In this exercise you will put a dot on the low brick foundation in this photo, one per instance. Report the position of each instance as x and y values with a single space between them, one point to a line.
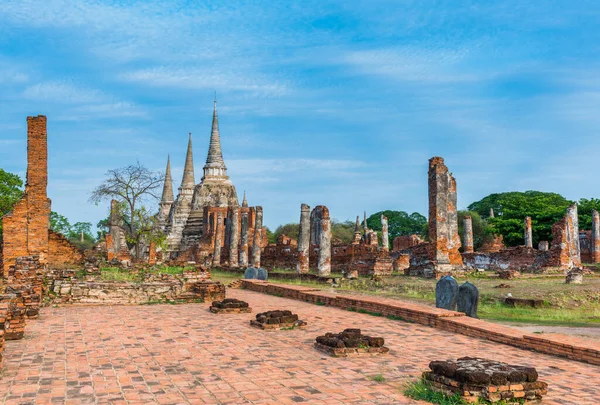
277 320
474 379
230 306
558 345
350 342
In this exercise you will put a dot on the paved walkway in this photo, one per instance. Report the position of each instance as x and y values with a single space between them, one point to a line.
183 354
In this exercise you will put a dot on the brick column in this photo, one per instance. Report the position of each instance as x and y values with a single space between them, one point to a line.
235 235
244 239
256 248
595 237
324 260
304 240
468 235
218 240
528 232
385 238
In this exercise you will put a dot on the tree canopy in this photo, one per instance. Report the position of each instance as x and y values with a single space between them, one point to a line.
11 190
399 223
131 186
510 210
79 233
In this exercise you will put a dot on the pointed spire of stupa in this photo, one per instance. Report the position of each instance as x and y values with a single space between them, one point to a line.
188 181
167 194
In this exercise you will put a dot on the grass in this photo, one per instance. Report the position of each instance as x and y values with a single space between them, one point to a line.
565 304
421 390
377 377
119 275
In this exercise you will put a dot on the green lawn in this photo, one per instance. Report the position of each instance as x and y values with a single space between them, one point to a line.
565 304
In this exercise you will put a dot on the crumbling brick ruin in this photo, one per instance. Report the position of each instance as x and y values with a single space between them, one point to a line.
320 235
441 254
564 252
350 342
205 222
474 379
26 228
116 242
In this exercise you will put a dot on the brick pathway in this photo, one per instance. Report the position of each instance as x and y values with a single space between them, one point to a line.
182 354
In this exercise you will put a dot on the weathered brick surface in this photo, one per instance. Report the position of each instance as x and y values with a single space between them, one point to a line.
161 354
3 317
564 252
26 226
61 251
559 345
405 242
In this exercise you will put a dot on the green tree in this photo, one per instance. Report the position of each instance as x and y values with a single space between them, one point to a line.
342 231
510 210
272 237
131 186
10 192
291 230
399 223
60 224
584 211
482 231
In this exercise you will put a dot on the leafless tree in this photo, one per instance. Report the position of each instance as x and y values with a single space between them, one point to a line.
131 186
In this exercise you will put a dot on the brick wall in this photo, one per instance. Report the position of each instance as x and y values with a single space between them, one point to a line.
62 252
26 227
554 344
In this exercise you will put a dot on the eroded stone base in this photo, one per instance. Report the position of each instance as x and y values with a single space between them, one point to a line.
230 306
279 319
475 378
351 351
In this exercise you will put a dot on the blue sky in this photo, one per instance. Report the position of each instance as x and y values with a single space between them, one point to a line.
335 103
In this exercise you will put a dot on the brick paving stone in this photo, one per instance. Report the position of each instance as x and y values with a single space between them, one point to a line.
183 354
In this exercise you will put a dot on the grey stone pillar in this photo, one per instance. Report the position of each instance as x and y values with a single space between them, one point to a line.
595 237
468 235
324 261
573 237
491 213
257 237
235 234
304 240
385 237
528 232
218 240
244 240
543 245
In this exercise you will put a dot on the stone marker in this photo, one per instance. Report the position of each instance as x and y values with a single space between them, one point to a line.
574 276
251 273
468 299
446 291
262 274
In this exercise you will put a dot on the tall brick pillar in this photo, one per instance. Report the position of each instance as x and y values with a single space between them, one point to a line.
244 238
443 217
256 248
468 235
235 237
304 240
595 237
26 226
385 237
528 232
324 259
218 240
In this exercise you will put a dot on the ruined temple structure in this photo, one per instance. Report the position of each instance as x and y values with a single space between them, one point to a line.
207 214
441 254
26 228
116 243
